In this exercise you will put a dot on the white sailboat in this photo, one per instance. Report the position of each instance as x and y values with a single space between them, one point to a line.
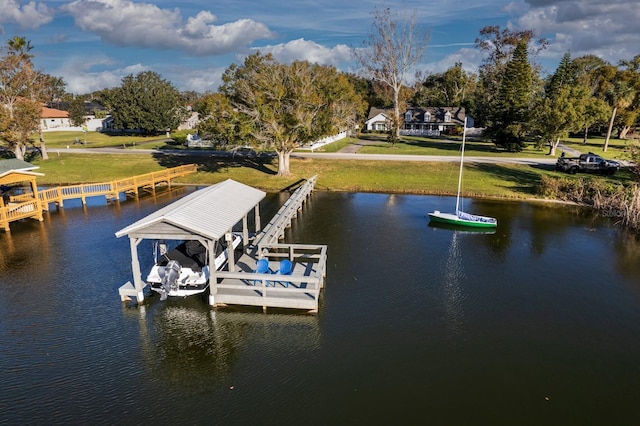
460 217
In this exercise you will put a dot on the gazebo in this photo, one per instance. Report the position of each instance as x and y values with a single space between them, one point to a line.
18 206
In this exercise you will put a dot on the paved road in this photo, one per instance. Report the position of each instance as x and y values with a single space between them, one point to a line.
331 156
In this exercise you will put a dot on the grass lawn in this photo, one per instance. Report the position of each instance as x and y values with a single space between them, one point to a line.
489 180
503 181
617 149
62 139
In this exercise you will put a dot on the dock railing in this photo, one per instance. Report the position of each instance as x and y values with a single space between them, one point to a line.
275 229
109 189
22 206
302 289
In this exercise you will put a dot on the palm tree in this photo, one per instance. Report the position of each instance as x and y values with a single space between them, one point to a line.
20 46
620 94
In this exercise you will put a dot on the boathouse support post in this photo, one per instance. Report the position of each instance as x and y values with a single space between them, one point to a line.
135 268
213 280
245 231
257 217
230 252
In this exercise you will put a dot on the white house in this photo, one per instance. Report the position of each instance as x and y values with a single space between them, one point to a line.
51 118
378 120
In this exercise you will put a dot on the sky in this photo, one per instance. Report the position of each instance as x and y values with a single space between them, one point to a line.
93 44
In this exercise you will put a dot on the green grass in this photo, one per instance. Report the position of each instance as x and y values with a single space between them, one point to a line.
617 149
489 180
416 145
62 139
503 181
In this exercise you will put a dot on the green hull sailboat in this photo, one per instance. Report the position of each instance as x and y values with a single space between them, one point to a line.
459 217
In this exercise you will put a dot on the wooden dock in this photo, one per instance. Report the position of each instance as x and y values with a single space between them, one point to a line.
274 230
31 205
300 290
240 285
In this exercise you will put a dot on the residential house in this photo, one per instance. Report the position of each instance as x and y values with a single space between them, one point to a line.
432 121
51 118
379 120
428 121
192 120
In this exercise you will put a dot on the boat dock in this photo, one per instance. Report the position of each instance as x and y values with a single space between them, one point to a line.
224 206
31 204
242 284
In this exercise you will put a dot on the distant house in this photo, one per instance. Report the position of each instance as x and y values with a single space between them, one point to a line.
191 121
51 118
431 121
379 120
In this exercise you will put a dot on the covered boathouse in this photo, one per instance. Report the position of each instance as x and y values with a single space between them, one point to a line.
214 213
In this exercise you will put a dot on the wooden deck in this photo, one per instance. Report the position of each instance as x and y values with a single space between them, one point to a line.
31 205
300 290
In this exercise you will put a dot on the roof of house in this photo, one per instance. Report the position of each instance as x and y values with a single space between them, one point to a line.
210 213
437 114
373 112
47 112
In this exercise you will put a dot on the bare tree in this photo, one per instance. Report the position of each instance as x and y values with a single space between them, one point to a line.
395 46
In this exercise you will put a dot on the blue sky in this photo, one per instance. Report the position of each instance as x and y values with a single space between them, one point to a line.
92 44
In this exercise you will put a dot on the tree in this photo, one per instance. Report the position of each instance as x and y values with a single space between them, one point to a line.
510 119
290 105
77 112
589 73
620 94
499 47
394 48
146 103
221 120
561 112
21 89
453 87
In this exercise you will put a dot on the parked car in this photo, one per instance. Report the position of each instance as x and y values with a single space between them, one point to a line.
587 163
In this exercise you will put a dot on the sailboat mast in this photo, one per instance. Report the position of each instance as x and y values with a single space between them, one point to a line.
464 134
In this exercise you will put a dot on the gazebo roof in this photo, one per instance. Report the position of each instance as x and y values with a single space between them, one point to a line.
14 171
209 213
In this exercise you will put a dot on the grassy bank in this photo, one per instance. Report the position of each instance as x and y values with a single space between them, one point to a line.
490 180
481 180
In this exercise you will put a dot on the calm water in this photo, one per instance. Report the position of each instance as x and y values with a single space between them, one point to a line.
538 323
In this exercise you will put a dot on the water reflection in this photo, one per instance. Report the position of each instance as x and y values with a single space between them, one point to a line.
186 343
414 319
453 273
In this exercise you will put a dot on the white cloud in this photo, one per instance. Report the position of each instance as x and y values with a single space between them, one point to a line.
125 23
609 29
81 77
305 50
31 15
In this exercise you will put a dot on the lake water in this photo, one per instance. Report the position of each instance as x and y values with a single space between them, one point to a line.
538 323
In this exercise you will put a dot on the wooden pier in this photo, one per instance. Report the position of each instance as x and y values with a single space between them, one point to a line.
31 204
274 230
241 285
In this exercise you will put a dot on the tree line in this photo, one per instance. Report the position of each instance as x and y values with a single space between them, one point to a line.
277 106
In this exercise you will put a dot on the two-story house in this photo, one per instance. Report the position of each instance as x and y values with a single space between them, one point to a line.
431 121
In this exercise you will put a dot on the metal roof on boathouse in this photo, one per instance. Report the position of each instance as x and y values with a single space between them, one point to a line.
208 212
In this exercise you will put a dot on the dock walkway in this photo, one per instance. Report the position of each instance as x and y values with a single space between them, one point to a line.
274 230
241 285
31 205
